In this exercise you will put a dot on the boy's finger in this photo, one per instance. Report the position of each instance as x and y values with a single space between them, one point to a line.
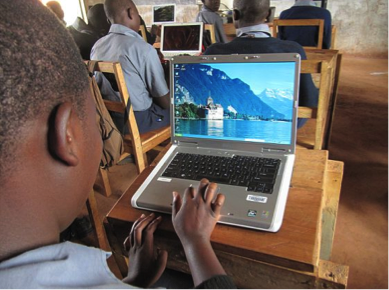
189 194
148 237
176 204
131 240
201 189
138 229
210 193
218 204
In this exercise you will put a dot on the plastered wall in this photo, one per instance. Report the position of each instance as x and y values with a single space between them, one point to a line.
362 25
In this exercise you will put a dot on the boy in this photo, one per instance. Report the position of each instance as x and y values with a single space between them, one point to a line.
306 36
253 36
50 150
208 15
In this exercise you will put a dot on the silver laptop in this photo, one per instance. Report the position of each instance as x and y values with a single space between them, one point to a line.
164 13
233 121
181 39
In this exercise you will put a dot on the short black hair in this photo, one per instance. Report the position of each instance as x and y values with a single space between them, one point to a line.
40 68
252 11
114 7
98 19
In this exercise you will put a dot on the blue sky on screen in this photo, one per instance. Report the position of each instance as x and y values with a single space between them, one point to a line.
260 76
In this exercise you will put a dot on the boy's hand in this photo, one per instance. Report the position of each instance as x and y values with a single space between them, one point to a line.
145 264
195 217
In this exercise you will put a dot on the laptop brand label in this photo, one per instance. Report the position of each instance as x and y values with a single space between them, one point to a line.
257 198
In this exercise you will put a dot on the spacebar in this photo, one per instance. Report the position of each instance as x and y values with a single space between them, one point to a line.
212 178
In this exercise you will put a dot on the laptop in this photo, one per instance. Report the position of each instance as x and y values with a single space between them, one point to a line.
181 39
240 112
164 13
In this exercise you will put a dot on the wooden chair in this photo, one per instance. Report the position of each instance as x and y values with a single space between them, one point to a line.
301 22
311 135
142 30
334 32
211 29
230 30
134 142
334 58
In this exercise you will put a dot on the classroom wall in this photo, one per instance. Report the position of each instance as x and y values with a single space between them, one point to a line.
362 24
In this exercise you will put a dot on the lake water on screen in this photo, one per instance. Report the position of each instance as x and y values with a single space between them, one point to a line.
261 131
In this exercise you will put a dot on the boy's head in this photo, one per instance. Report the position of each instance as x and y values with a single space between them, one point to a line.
123 12
250 12
50 146
212 5
98 20
56 8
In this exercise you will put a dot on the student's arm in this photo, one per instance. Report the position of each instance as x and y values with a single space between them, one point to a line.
194 219
163 102
145 265
154 78
219 30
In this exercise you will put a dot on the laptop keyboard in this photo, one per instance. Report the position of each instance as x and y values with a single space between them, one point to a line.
256 173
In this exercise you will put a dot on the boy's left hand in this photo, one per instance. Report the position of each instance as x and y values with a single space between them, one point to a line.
145 264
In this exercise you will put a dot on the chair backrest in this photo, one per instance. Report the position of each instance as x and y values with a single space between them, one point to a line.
134 142
301 22
211 29
142 30
334 58
121 107
334 32
229 30
315 139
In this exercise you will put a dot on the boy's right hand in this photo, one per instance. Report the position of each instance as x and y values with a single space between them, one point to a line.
195 217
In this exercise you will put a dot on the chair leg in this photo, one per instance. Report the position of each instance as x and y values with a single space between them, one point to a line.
106 185
101 233
97 223
120 260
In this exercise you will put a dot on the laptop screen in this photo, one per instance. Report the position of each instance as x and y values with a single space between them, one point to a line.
236 101
182 37
164 13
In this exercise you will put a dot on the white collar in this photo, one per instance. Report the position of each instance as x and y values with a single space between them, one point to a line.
258 31
305 3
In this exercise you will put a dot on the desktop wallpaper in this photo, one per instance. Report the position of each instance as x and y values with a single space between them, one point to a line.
235 101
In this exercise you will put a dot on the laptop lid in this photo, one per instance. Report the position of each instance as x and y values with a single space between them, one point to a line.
164 13
236 102
230 106
182 38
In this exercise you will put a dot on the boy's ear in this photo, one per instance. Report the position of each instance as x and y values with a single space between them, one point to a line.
129 13
268 15
62 141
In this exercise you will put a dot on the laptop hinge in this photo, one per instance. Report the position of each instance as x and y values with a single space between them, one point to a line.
274 150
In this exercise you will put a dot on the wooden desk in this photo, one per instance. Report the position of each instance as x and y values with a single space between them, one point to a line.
289 258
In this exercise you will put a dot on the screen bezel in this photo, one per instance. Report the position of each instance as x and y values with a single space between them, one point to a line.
237 145
164 5
198 50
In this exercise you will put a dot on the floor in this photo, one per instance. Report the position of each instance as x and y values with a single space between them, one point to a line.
360 140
